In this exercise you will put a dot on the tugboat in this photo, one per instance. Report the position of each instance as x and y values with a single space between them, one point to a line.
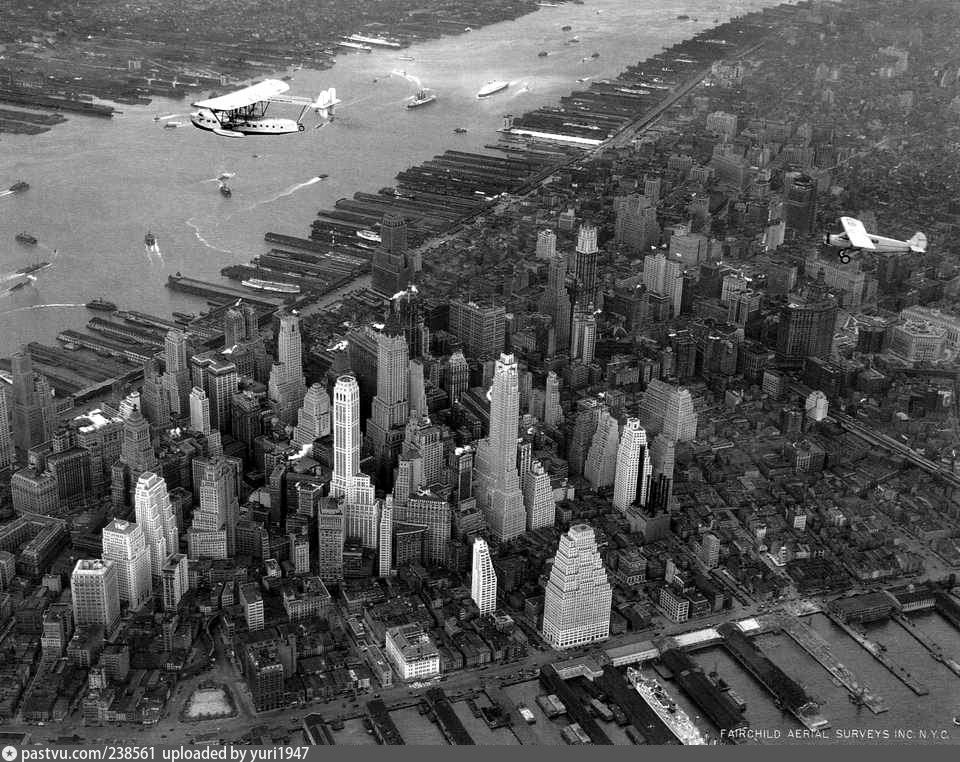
460 130
101 305
543 54
323 177
566 28
30 269
20 284
150 240
18 186
421 98
26 238
594 54
225 190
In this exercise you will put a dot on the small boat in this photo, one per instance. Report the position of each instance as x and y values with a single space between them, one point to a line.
30 269
406 58
18 186
460 130
594 54
156 117
566 28
225 190
421 98
543 54
323 177
101 305
574 39
369 235
172 125
26 238
683 17
184 316
150 240
20 284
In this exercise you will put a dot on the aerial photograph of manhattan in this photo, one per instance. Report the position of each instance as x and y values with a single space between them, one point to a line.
478 372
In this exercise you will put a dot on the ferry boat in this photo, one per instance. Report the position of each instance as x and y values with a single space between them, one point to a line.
101 305
368 235
19 185
421 98
666 709
355 46
492 87
26 238
259 284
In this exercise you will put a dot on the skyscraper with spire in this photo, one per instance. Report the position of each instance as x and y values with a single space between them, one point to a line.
457 379
577 599
634 467
287 385
137 456
498 484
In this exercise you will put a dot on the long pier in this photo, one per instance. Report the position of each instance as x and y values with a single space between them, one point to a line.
881 656
817 647
932 646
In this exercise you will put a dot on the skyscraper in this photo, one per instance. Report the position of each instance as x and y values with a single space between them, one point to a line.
585 265
155 516
330 543
418 387
538 498
552 412
199 411
577 599
664 276
806 329
669 410
174 580
95 589
482 330
406 307
222 382
483 578
6 440
385 549
601 466
234 326
213 532
176 376
346 434
800 204
498 487
546 244
390 408
287 385
457 376
583 334
34 413
392 269
137 456
634 467
555 301
426 509
124 545
313 421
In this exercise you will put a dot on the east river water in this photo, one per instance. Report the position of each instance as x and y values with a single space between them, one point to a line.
97 185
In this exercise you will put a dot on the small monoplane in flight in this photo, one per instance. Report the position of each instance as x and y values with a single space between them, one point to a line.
244 112
856 238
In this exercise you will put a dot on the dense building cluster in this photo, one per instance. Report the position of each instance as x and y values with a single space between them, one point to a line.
644 393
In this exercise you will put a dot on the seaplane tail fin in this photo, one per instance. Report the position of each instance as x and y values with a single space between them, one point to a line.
918 243
325 102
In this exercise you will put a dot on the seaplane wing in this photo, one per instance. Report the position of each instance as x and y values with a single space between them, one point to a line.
262 91
857 233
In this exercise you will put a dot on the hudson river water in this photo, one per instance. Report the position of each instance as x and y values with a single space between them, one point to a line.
98 185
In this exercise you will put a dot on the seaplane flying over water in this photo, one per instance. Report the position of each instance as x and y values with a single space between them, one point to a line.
856 238
244 112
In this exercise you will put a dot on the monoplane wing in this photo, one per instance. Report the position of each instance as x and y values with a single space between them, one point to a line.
857 233
262 91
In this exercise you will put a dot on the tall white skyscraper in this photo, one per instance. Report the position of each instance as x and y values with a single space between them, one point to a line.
124 545
576 606
664 275
634 467
483 578
212 534
95 589
538 498
669 410
418 387
199 411
552 412
287 384
601 466
313 421
546 244
346 434
6 439
155 516
390 409
498 485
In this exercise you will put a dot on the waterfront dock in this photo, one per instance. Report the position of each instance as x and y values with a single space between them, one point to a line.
715 706
447 720
928 643
817 647
221 292
881 656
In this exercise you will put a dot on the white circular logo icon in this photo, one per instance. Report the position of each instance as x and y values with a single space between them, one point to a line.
9 753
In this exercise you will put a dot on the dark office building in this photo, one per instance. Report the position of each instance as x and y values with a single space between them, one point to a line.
805 329
392 270
800 205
